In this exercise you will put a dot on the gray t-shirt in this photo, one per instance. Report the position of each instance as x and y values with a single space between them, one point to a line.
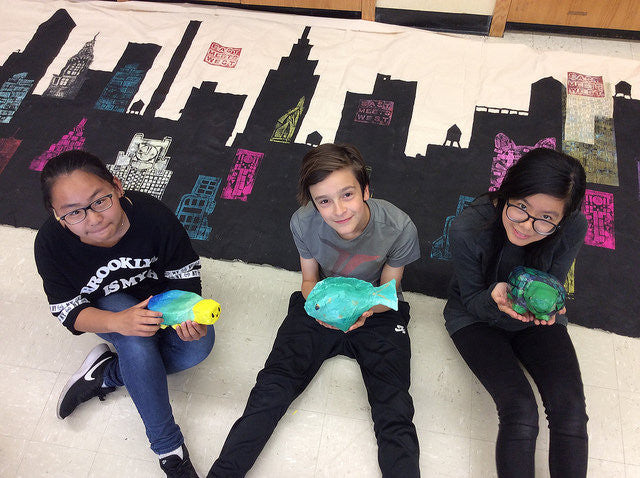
389 238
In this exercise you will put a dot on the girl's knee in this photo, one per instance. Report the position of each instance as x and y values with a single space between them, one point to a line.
520 411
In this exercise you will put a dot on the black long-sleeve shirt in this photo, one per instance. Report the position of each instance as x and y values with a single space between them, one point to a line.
153 256
477 267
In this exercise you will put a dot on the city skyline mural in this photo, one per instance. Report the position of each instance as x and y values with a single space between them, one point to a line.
214 123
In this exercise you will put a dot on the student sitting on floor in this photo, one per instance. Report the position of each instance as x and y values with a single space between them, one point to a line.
101 256
339 231
532 220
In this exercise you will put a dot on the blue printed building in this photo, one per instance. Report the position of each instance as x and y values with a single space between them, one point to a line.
123 85
12 92
195 207
441 249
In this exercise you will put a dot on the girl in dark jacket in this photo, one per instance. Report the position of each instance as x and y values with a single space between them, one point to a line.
532 220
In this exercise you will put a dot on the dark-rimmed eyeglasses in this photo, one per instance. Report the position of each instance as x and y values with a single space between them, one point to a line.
78 215
541 226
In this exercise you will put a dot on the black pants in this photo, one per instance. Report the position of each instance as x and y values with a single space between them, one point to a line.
382 349
548 355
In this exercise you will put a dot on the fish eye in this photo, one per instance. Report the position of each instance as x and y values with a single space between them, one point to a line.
317 307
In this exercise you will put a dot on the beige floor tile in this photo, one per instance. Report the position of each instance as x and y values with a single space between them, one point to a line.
230 370
55 461
287 457
125 434
440 380
347 395
41 343
607 47
522 38
627 352
596 356
348 449
11 450
630 413
443 455
604 428
110 466
253 285
482 462
635 49
205 425
23 394
542 42
605 469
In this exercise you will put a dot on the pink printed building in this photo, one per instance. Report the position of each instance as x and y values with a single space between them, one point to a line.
74 139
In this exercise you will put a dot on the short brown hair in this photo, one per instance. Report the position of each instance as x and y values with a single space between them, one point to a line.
323 160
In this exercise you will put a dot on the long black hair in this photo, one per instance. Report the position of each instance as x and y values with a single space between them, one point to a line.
540 171
66 163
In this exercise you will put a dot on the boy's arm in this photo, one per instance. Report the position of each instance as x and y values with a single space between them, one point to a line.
388 273
310 275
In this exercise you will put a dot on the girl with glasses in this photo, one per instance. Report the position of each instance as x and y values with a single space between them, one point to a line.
101 256
533 220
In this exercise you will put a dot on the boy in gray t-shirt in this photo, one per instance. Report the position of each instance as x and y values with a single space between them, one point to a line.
339 231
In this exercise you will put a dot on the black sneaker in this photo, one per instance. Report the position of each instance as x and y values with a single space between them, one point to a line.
176 467
86 383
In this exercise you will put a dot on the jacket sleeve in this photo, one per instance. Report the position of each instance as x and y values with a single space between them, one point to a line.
467 259
65 301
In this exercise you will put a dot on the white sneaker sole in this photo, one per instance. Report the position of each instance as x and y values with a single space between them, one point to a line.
92 356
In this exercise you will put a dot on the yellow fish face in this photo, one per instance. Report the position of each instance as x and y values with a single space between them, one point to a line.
206 312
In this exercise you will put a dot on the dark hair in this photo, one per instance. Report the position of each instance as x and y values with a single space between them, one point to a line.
541 171
66 163
544 171
323 160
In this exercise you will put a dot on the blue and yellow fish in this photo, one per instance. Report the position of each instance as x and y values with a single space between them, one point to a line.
178 306
339 301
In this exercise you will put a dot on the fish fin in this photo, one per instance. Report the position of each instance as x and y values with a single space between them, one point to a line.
387 295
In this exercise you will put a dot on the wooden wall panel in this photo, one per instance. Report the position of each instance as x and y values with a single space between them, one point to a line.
614 14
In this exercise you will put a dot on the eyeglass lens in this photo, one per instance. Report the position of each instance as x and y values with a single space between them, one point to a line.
541 226
99 205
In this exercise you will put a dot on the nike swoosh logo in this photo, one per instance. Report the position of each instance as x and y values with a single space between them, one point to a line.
89 375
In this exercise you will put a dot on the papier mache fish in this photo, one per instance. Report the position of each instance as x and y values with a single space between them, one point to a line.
536 291
178 306
340 301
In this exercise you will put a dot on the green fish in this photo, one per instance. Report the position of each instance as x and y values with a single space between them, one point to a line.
536 291
339 301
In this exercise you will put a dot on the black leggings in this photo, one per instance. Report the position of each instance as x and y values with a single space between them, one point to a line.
494 356
382 349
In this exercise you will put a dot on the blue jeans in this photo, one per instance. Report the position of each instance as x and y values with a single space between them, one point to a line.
142 366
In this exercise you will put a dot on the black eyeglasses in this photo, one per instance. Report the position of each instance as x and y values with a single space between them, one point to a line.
541 226
77 215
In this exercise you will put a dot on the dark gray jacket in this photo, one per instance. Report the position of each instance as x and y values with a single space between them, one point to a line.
476 264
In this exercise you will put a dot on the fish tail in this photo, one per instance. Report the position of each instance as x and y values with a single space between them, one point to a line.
386 294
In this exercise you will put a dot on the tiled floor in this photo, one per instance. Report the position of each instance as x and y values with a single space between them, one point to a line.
327 432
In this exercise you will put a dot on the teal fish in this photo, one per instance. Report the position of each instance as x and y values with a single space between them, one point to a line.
178 306
339 301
